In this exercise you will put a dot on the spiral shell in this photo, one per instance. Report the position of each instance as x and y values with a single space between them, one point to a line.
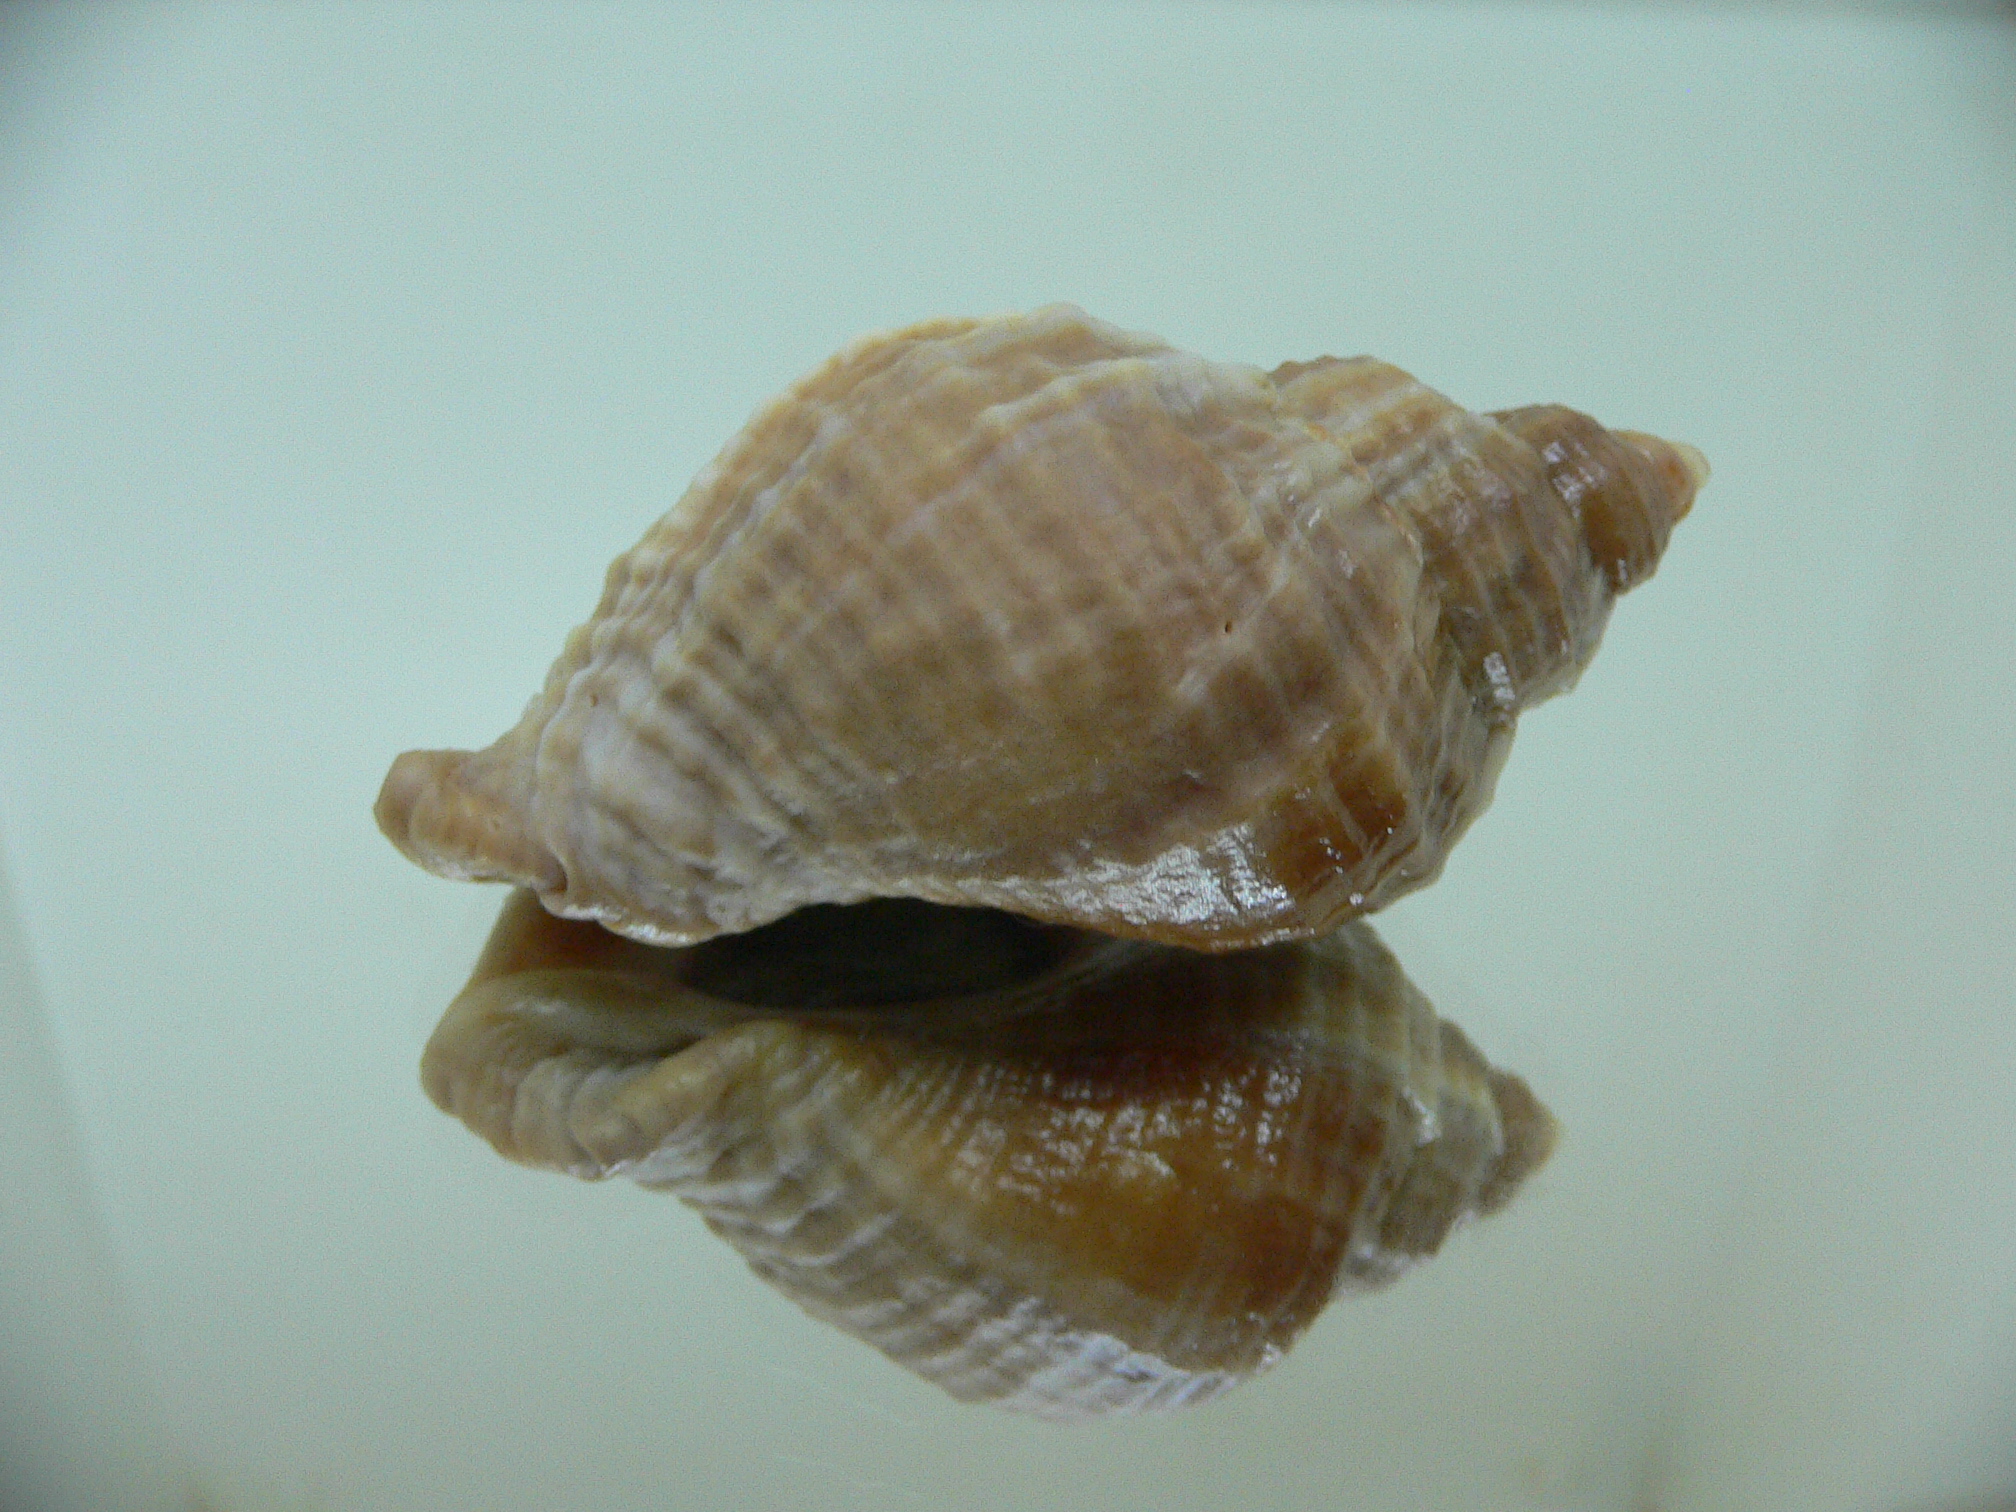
1034 614
1102 1176
981 768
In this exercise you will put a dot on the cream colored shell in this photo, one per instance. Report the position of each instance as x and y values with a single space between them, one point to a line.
1109 1176
1035 614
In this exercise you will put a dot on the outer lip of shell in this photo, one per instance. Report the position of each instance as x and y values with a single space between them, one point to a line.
1144 1200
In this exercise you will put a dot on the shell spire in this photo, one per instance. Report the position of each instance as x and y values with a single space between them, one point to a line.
1035 614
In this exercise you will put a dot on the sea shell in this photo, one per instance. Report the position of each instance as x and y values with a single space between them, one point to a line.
1103 1175
983 760
1035 614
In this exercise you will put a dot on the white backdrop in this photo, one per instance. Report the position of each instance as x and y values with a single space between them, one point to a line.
340 348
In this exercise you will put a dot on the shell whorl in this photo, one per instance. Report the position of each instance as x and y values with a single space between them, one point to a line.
1113 1176
1034 614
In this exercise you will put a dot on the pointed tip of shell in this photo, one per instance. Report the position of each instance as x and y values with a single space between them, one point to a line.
1530 1135
1697 465
446 812
1682 468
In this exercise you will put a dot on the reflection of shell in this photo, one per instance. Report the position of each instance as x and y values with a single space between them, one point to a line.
1107 1176
1035 614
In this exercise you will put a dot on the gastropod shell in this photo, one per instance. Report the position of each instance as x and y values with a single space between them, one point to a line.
941 852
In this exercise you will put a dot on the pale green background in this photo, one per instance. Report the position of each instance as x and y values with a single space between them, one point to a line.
341 347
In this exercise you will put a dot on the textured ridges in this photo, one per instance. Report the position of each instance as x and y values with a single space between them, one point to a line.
1121 1177
1033 613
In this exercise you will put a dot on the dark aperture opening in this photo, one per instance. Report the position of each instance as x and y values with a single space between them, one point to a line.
882 952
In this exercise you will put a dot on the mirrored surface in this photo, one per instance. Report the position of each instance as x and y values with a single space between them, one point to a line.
341 349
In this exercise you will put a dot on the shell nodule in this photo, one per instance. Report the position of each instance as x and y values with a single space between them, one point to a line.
951 826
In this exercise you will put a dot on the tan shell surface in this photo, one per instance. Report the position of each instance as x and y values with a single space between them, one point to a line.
1114 1176
1035 614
